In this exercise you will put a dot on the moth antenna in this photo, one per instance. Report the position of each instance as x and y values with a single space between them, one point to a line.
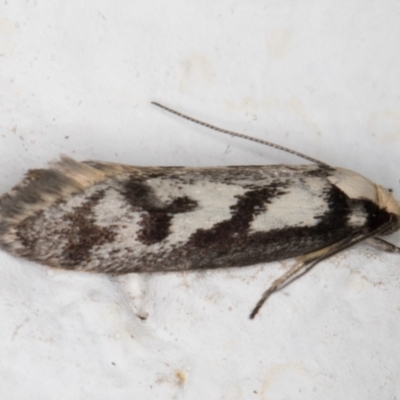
241 135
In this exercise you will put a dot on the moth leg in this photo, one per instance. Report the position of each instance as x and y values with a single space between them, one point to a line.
384 245
276 285
308 260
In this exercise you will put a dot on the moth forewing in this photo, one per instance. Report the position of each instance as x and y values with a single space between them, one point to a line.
114 218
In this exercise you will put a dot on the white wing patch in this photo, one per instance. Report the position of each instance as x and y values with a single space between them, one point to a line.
299 207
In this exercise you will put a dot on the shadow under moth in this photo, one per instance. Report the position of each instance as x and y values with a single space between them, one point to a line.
114 218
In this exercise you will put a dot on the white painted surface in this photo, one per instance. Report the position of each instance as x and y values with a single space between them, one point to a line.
321 77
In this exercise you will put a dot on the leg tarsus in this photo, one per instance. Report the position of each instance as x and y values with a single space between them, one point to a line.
383 245
276 285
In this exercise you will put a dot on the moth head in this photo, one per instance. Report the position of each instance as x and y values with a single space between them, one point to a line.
387 202
357 187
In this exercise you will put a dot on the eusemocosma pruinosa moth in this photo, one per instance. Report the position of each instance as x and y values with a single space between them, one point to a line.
114 218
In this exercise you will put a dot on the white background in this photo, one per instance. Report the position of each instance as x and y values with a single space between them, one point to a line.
322 77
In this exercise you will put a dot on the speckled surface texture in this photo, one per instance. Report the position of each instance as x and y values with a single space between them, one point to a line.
322 77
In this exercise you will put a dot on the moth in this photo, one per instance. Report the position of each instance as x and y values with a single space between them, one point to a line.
114 218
